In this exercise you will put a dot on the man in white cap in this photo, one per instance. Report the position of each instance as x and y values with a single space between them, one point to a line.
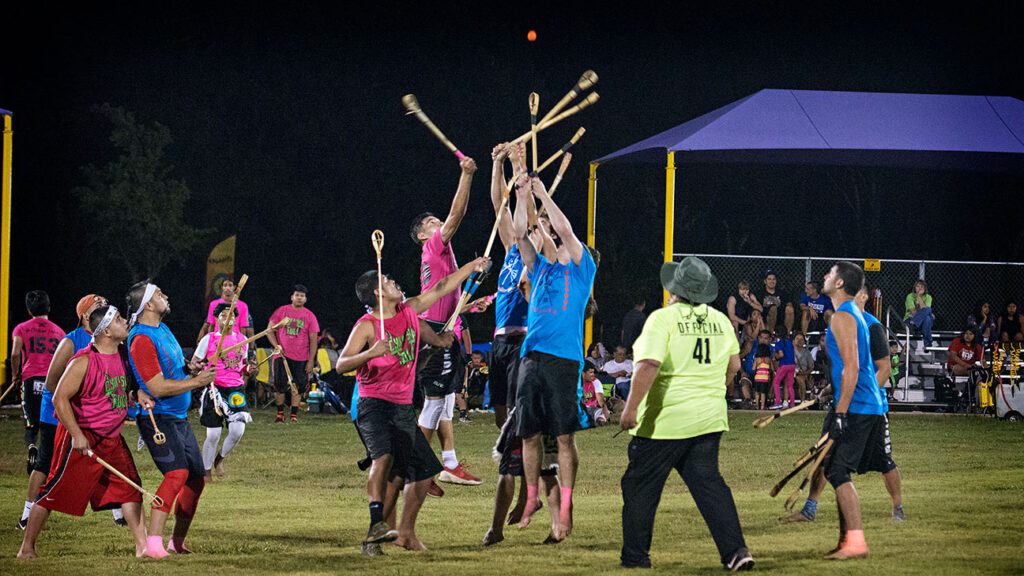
676 412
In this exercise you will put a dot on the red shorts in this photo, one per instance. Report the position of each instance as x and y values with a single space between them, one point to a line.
76 480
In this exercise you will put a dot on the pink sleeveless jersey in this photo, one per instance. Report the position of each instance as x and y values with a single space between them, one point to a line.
229 368
392 376
101 403
436 262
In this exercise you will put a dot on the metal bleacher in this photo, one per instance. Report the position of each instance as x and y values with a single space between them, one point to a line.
920 367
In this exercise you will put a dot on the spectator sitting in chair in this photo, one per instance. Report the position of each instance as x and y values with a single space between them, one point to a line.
622 369
1010 325
593 397
919 311
964 351
741 304
815 308
776 304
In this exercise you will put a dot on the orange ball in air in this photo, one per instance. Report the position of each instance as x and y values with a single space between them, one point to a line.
531 35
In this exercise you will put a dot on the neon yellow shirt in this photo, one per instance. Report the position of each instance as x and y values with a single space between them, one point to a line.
687 397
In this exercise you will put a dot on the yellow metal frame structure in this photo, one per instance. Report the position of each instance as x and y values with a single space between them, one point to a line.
5 245
670 211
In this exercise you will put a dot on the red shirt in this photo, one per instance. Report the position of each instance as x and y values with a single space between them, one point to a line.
959 348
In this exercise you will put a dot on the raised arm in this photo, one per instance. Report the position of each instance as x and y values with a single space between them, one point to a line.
559 222
526 247
461 200
504 215
424 301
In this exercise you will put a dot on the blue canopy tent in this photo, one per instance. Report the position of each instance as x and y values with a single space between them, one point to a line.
836 128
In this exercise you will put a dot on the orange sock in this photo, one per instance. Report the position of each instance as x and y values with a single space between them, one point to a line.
855 541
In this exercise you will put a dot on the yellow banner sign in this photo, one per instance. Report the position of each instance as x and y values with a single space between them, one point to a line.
872 265
220 265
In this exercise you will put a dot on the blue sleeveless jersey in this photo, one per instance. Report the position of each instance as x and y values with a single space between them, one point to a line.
79 339
172 366
870 320
509 305
866 397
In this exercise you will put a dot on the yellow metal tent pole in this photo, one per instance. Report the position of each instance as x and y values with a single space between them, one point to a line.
670 212
588 325
5 245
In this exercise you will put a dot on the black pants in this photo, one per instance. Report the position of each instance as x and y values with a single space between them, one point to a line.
696 460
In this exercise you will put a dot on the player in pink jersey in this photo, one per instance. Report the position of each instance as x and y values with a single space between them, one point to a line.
227 292
298 341
35 341
230 395
91 402
386 371
440 375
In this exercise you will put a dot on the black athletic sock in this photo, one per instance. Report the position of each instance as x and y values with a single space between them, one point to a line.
295 410
376 513
280 410
462 413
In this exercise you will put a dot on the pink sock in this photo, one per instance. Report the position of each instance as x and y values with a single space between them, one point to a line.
531 500
565 508
155 547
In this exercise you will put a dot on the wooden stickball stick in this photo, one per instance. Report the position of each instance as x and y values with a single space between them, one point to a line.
9 388
558 177
534 105
587 79
288 372
249 340
225 331
576 138
158 436
157 501
413 107
593 97
766 420
377 238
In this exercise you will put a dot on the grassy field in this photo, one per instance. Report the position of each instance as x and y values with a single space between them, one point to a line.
294 501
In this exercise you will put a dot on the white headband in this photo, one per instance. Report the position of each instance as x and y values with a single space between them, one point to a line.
107 319
150 290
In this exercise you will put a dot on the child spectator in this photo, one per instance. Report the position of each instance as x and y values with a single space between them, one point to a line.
474 383
804 365
983 323
1009 324
762 369
785 355
593 398
894 361
741 304
919 311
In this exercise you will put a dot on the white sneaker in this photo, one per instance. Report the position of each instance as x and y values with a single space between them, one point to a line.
785 405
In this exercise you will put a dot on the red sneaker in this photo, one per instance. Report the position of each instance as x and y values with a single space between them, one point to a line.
295 418
458 475
434 490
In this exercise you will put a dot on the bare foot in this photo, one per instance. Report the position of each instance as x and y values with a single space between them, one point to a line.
218 466
551 538
493 537
27 553
531 508
517 513
177 548
409 543
209 477
140 552
564 526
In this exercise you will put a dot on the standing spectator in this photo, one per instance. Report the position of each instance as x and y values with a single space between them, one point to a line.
983 324
1010 325
593 397
35 341
762 369
815 308
298 342
328 342
919 311
894 363
775 301
621 368
227 292
633 321
804 365
676 413
740 304
785 355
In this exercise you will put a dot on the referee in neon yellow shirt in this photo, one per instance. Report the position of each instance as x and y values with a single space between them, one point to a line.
676 413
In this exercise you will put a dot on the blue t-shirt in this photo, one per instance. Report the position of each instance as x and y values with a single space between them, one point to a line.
79 339
748 362
788 352
558 300
866 396
870 320
172 366
819 304
509 304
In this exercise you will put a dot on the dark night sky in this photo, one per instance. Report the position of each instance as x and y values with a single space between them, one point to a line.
288 118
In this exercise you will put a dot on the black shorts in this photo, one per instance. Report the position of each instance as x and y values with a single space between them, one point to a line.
389 428
441 374
860 449
180 451
511 462
45 454
298 368
32 399
761 386
504 362
546 395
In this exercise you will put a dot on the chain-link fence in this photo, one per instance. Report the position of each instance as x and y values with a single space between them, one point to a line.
957 288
